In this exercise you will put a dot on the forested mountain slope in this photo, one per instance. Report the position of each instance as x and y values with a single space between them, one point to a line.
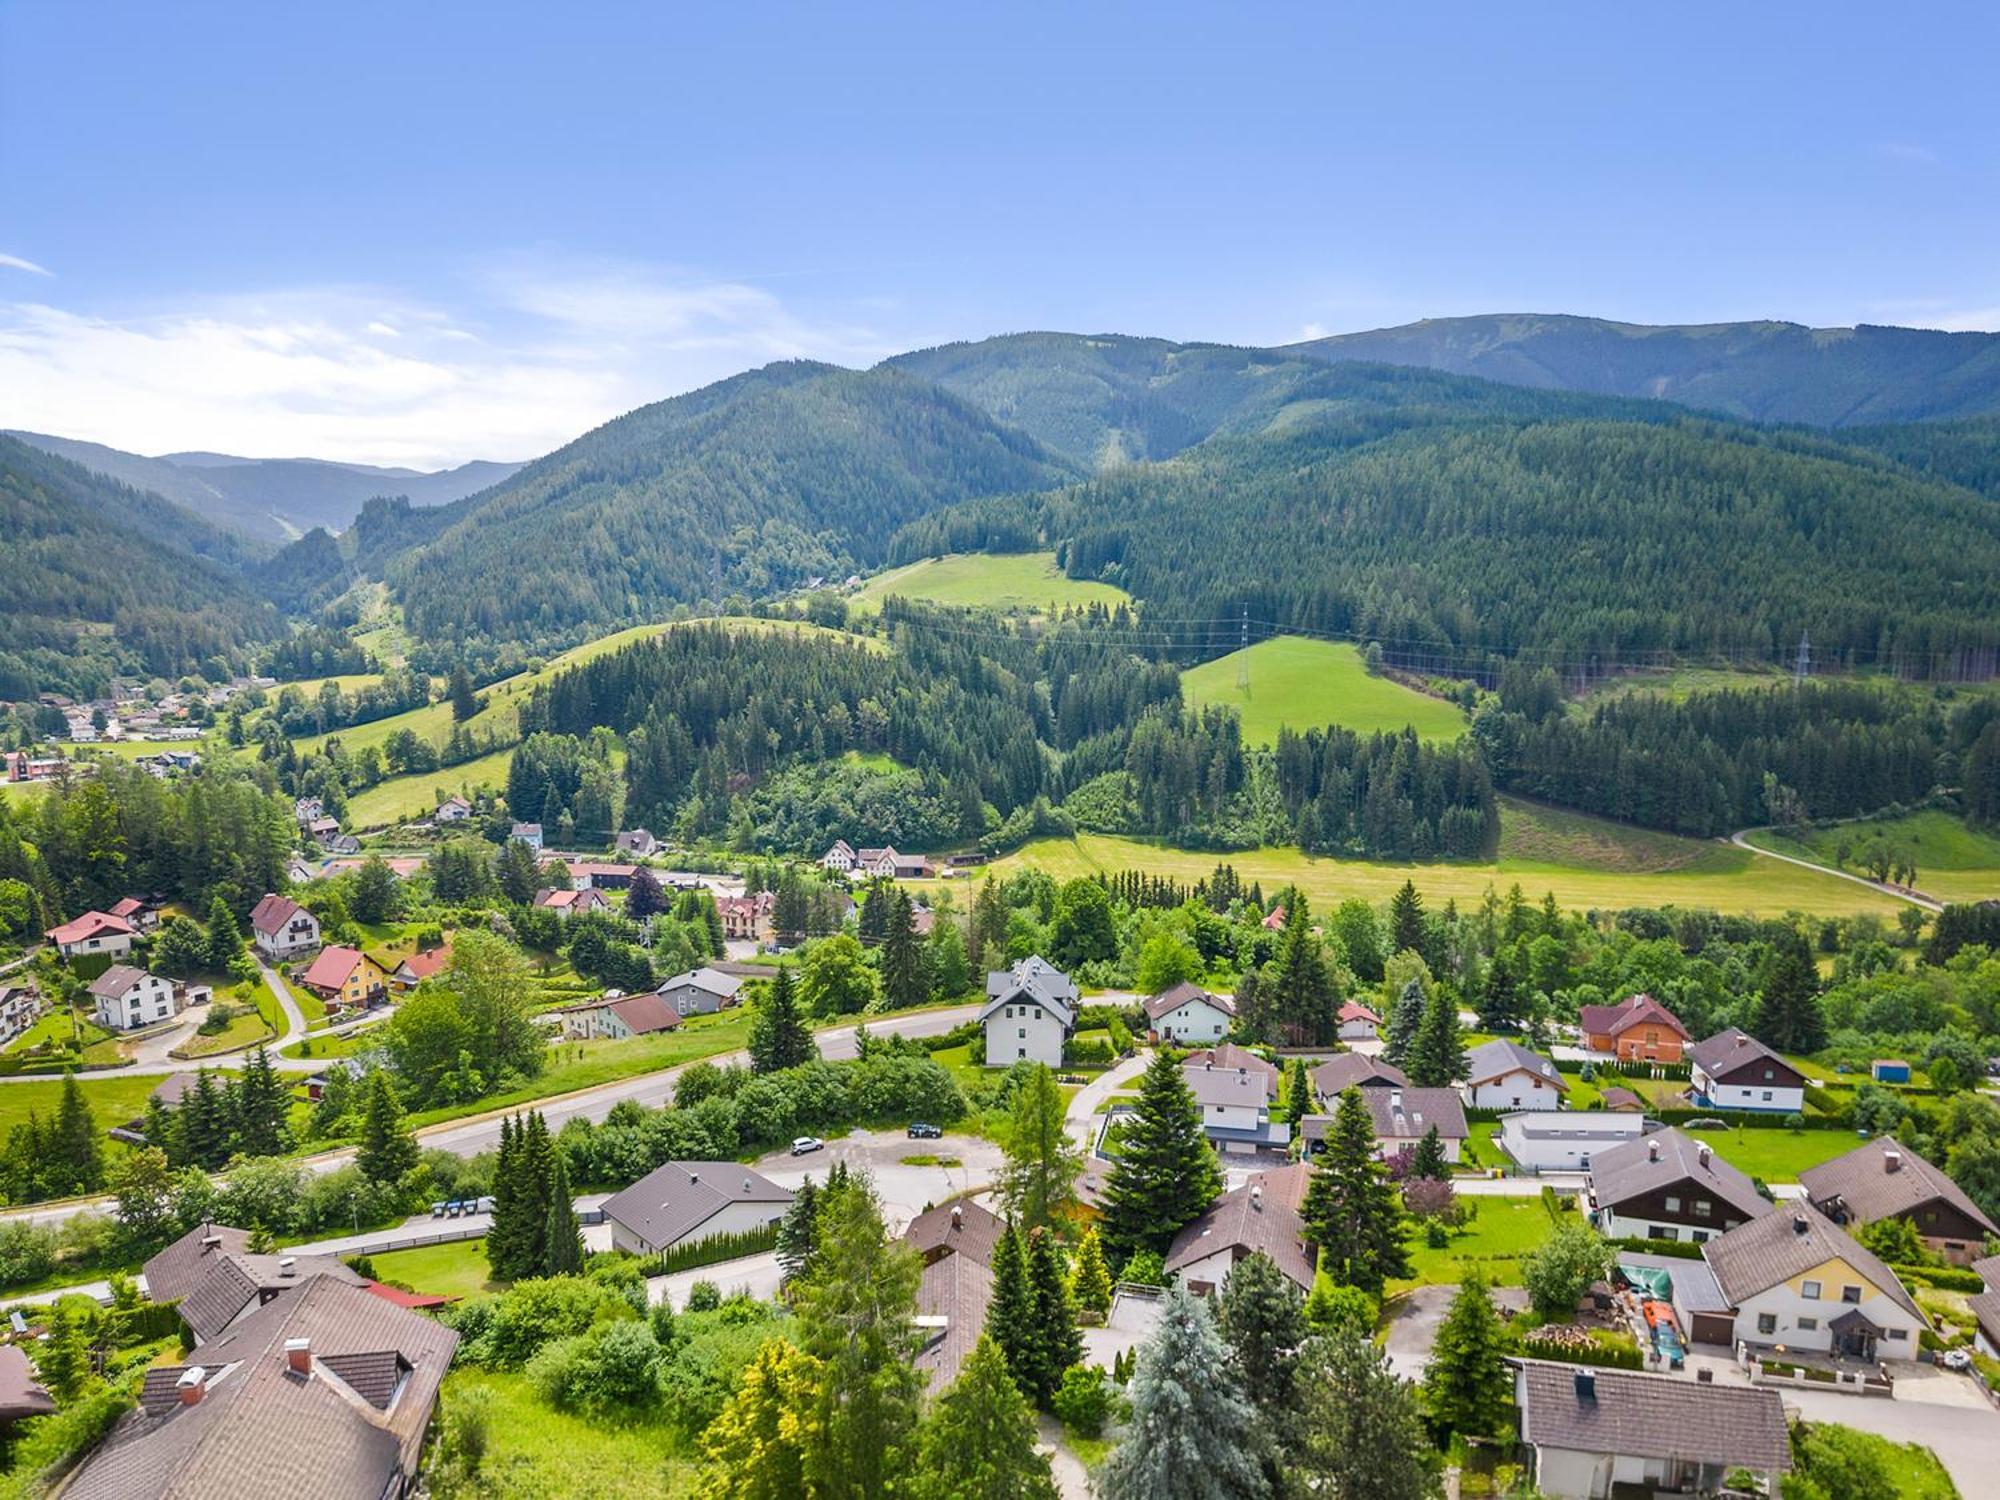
1964 452
101 578
1771 372
753 484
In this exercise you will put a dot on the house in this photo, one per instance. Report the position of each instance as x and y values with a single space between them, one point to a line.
1793 1277
702 991
1263 1214
1402 1117
143 915
1189 1013
211 1272
317 1083
1030 1012
747 917
280 928
960 1227
342 843
636 842
1350 1070
619 1017
839 858
92 933
128 998
598 875
1505 1075
325 1389
346 978
20 1008
1668 1186
685 1202
880 863
1590 1430
454 809
1620 1098
1229 1055
1885 1180
323 829
1565 1140
1637 1029
956 1241
308 810
566 904
21 1394
418 967
1357 1022
528 833
1733 1070
1889 1070
1235 1109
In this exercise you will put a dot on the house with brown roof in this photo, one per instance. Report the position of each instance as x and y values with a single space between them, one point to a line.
326 1390
281 928
1637 1029
1596 1432
619 1018
960 1227
1401 1118
954 1294
144 915
1263 1215
1188 1014
1793 1277
126 998
1669 1186
21 1394
345 978
1883 1179
211 1272
1229 1055
1351 1070
1356 1022
683 1202
1235 1108
1733 1070
93 933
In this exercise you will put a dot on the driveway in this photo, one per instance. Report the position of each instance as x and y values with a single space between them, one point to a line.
1081 1118
1967 1442
905 1191
1413 1330
756 1274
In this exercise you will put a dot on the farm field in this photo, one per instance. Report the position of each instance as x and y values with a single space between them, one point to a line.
1955 861
1534 834
1307 684
1017 582
401 798
457 1269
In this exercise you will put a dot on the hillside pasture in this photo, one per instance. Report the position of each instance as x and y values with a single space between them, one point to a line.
1306 684
1954 860
1014 583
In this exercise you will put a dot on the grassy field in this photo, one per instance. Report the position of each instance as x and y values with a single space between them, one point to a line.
1307 684
454 1270
402 798
1014 581
1682 682
1776 1155
1955 861
1505 1230
113 1097
1698 874
539 1451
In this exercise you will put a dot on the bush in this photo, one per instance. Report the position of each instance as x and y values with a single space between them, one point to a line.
27 1252
534 1313
704 1296
613 1368
1145 1269
1083 1401
713 1251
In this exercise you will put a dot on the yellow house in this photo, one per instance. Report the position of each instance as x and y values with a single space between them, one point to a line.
1793 1277
346 979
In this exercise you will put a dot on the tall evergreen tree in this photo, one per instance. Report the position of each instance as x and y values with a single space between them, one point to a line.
1090 1278
1303 994
464 702
1166 1172
1407 930
1437 1056
534 1170
1038 1183
225 938
986 937
798 1233
1467 1388
1503 1001
1361 1434
1298 1091
906 979
201 1125
388 1151
1429 1160
562 1235
1789 1016
779 1037
1350 1207
1263 1320
503 1234
1058 1339
515 869
978 1441
1010 1316
1404 1021
1189 1414
76 1152
262 1104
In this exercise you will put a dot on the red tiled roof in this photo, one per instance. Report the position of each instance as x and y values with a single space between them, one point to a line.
1354 1010
423 965
90 924
1611 1020
415 1300
331 968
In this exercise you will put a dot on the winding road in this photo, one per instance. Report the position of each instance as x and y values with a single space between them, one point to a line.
1741 840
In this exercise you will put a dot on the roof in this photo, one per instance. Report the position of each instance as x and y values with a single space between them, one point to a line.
961 1226
1352 1070
953 1296
1619 1097
1773 1247
113 983
1498 1058
1652 1416
90 924
1354 1010
402 1298
559 898
1263 1215
644 1013
526 830
1621 1173
214 1282
1571 1124
1186 993
343 1432
1863 1182
332 967
128 907
423 965
706 978
1229 1087
1732 1048
21 1395
1987 1269
1229 1055
1985 1307
1611 1020
1035 979
1695 1288
671 1201
272 913
1408 1114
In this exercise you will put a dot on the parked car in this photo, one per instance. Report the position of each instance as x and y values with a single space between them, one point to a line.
806 1143
922 1131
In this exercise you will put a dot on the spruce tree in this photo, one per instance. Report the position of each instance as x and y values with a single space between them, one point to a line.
77 1152
1502 1000
1299 1091
225 938
798 1233
1263 1319
464 702
1361 1433
261 1105
1166 1171
1303 995
1350 1207
1466 1387
535 1168
978 1441
562 1235
1189 1414
503 1233
906 979
1090 1279
201 1124
1059 1340
1404 1020
1437 1057
1789 1017
388 1151
1407 930
1038 1183
1010 1316
779 1037
1429 1160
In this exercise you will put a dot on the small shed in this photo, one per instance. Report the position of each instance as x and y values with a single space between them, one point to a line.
1889 1070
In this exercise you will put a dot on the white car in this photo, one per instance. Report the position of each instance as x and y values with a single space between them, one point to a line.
806 1143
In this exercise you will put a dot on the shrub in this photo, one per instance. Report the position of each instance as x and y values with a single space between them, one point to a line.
704 1296
1145 1269
1083 1401
539 1311
27 1252
613 1368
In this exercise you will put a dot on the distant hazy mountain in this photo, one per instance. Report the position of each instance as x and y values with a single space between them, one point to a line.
1768 372
271 500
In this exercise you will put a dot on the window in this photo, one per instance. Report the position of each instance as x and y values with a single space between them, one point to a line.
1809 1290
1673 1205
1808 1325
1767 1322
1699 1236
1703 1207
1767 1096
1662 1232
1896 1335
1850 1294
1020 1031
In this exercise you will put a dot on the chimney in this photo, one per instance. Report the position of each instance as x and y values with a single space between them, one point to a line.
958 1216
1652 1150
191 1385
210 1242
1892 1161
1586 1388
1257 1195
1799 1225
299 1356
1702 1152
288 1265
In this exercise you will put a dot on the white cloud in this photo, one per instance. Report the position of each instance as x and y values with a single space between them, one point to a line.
371 376
16 263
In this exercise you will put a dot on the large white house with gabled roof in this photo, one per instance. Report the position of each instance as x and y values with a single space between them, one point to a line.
1029 1014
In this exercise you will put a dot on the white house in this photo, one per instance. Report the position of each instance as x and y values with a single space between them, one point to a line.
1190 1015
528 833
454 809
1566 1140
1357 1023
1401 1118
619 1018
280 928
1260 1216
1795 1278
92 933
1030 1012
685 1202
839 858
20 1006
1235 1108
636 842
128 998
1505 1075
699 992
1733 1070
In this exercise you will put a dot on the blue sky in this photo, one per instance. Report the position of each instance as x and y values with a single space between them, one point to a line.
419 234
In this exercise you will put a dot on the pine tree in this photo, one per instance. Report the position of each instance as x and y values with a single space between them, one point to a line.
1059 1340
1350 1207
1404 1021
1189 1414
906 979
1038 1183
1502 1001
978 1442
1166 1172
779 1037
1789 1017
1298 1091
562 1235
798 1233
1407 931
534 1169
986 939
503 1233
225 938
1361 1434
1304 997
62 1360
1466 1387
1429 1160
1263 1319
1090 1279
1010 1316
261 1104
201 1124
388 1151
1437 1057
76 1153
515 869
464 702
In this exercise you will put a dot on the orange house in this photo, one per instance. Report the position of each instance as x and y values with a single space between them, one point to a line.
1638 1029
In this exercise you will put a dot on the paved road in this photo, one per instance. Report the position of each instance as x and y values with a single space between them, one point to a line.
1080 1119
1901 893
295 1020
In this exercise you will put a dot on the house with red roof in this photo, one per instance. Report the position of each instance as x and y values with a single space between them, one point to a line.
1357 1022
1637 1029
418 967
143 915
92 933
346 978
280 928
567 904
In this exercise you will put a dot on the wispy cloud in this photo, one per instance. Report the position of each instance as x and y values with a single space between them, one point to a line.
545 351
18 263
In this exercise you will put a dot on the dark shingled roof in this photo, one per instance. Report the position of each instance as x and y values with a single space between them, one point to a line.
1032 979
1248 1220
1731 1048
1771 1248
1652 1416
1622 1173
1352 1070
1863 1182
671 1201
957 1290
1408 1114
214 1284
21 1395
1173 998
976 1232
1499 1057
1229 1055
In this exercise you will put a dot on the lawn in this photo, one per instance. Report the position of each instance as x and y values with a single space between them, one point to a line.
347 1044
457 1269
1777 1155
1306 684
1015 581
114 1098
536 1450
1917 1472
243 1031
61 1025
401 799
1493 1244
1955 861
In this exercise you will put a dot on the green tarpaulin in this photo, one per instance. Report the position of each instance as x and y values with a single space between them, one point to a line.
1653 1281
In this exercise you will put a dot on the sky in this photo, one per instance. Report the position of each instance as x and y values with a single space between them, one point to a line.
417 235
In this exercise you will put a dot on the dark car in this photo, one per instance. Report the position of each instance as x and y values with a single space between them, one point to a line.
920 1131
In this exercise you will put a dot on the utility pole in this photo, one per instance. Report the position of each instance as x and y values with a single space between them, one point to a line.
1242 647
1804 667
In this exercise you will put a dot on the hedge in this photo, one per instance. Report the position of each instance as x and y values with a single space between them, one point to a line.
1615 1357
732 1245
1678 1249
1944 1278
